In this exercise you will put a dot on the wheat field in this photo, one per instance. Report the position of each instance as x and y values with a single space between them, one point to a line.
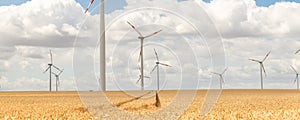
232 104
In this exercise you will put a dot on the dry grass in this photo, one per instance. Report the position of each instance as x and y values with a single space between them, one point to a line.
233 104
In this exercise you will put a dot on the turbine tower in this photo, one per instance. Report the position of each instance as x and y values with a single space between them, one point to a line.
50 65
221 77
296 79
57 83
141 37
262 68
102 44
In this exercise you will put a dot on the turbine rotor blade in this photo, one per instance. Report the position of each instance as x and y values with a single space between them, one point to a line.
153 69
133 27
91 2
262 65
296 79
224 70
297 51
222 79
266 56
156 55
51 57
138 80
294 69
165 64
215 73
47 69
146 77
60 71
254 60
56 68
153 34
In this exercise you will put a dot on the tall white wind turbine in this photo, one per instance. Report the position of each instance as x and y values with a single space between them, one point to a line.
141 37
262 68
102 44
296 79
221 77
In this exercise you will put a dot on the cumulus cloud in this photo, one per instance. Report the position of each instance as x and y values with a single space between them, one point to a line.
190 41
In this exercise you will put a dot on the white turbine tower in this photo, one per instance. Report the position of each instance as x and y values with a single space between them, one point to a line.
221 77
262 68
296 79
141 57
102 44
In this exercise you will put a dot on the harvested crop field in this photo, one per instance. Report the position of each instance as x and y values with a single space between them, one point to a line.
232 104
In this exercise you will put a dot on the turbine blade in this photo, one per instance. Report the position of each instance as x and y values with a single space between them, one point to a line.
133 27
266 56
153 69
297 51
51 56
156 55
254 60
91 2
56 68
138 80
225 70
262 65
215 73
165 64
153 34
294 69
60 71
296 79
146 77
47 69
222 79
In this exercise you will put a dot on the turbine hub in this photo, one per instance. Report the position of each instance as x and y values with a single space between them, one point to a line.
157 62
140 37
50 64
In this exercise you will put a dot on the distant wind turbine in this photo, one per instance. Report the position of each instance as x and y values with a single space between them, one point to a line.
157 104
296 79
141 56
221 77
262 68
50 65
57 83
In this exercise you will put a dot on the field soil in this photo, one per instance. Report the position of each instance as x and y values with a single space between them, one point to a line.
232 104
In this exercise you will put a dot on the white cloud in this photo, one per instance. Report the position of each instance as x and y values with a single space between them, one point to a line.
30 29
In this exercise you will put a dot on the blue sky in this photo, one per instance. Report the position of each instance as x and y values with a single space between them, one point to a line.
112 5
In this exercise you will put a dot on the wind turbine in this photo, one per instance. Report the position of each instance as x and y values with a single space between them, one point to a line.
102 44
50 65
157 68
141 37
296 79
221 77
57 83
157 75
262 68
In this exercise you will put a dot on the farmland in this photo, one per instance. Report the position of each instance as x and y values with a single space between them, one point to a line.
232 104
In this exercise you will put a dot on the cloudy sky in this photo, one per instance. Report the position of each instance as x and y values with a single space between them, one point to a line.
198 37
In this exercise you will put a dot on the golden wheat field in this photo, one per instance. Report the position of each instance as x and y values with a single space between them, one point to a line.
232 104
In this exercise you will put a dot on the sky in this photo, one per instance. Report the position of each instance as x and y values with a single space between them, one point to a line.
198 37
